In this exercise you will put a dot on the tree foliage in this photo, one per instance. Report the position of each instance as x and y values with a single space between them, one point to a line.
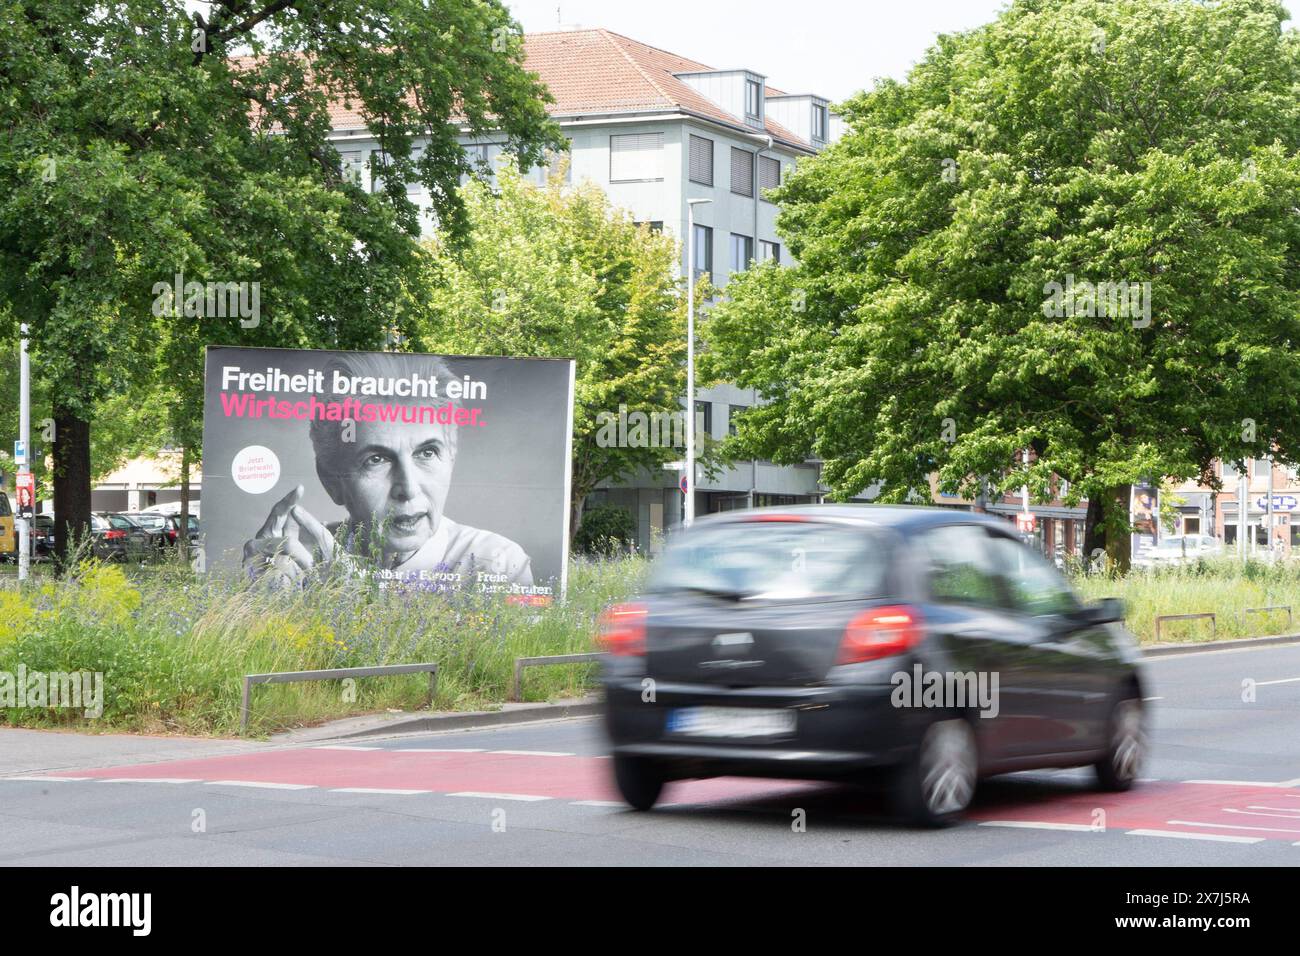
1067 142
555 271
138 143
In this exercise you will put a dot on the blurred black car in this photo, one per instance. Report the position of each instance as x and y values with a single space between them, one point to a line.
42 535
922 646
118 538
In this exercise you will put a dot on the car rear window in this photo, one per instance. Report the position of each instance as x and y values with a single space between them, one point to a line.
120 521
4 505
772 560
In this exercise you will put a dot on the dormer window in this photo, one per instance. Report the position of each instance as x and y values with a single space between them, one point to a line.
819 124
753 100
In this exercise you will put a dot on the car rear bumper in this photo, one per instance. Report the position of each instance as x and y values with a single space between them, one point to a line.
838 729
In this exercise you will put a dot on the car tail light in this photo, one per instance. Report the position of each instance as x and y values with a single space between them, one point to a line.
113 534
622 630
880 632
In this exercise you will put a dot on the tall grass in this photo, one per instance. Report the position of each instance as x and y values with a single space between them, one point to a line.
1220 586
173 648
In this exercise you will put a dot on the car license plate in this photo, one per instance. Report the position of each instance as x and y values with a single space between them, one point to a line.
731 722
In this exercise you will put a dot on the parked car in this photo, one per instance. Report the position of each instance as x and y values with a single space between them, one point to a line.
119 538
8 534
42 534
1179 549
173 529
792 642
155 524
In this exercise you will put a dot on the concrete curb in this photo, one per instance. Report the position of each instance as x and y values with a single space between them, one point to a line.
452 720
1160 650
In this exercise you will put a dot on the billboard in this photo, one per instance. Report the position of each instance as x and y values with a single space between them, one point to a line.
435 472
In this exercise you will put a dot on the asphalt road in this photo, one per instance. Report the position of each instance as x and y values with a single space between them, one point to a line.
1222 788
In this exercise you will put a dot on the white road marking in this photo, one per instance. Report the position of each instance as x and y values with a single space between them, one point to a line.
497 796
1227 826
148 779
1287 810
262 784
597 803
1252 813
1036 825
1216 837
437 750
377 790
1243 783
1153 698
1285 680
534 753
46 777
343 747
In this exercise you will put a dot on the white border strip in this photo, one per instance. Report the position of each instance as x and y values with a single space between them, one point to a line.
1213 837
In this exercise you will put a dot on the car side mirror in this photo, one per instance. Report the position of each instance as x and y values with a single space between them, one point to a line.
1105 611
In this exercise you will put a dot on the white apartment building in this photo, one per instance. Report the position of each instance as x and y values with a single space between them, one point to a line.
653 130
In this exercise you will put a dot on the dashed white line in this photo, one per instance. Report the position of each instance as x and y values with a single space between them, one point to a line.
1227 826
46 777
147 779
1038 825
262 784
597 803
383 790
534 753
343 747
1179 835
1285 680
497 796
437 750
1244 783
1153 698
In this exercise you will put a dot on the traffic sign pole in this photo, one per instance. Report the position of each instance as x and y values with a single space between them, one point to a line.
24 468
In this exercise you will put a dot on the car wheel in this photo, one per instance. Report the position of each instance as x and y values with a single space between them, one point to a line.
639 781
936 786
1126 746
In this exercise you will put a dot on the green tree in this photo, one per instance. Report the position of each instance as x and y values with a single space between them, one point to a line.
139 143
1067 142
555 271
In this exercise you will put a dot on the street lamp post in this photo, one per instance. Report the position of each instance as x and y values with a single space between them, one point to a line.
24 435
689 515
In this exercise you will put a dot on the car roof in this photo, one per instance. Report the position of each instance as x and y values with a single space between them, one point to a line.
902 518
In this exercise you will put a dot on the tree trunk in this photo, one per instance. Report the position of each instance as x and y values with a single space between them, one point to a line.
1119 537
183 533
71 483
1094 530
576 507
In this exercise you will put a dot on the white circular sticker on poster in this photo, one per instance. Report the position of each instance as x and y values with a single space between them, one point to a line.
255 469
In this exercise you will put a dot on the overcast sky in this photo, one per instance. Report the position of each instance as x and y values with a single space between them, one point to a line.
829 47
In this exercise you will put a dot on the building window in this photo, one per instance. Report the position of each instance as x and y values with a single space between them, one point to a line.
819 124
483 158
769 173
769 250
704 418
1261 467
352 166
636 157
701 160
753 99
541 175
1191 524
703 250
742 251
654 225
742 172
733 418
1079 528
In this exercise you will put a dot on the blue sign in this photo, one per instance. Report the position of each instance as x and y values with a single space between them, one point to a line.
1280 502
20 453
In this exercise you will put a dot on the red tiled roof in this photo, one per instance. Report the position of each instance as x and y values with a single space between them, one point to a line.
596 71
